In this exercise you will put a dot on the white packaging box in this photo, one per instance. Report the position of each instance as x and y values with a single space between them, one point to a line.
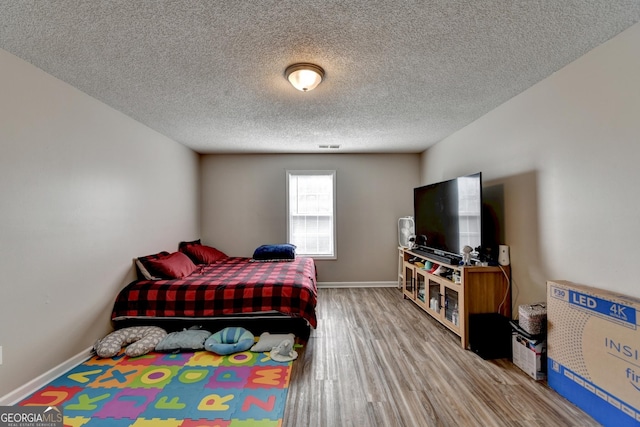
593 339
529 355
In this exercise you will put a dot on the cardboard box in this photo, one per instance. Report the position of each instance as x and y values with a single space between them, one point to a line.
593 339
530 355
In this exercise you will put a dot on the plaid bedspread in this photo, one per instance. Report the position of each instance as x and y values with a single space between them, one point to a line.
232 286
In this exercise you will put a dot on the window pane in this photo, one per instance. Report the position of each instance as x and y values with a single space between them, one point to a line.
311 212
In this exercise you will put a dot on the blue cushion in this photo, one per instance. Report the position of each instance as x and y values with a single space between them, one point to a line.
285 251
229 340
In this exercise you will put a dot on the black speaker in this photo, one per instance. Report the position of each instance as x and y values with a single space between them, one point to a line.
490 335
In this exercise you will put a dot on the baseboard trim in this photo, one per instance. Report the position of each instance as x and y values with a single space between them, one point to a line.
357 284
24 391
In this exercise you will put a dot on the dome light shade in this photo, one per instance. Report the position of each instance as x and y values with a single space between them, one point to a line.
304 77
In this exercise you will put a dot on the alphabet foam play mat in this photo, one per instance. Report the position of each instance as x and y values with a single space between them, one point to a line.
171 390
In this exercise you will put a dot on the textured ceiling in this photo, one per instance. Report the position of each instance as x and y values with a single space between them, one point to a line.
401 75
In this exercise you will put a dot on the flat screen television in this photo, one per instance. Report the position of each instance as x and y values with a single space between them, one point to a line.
449 215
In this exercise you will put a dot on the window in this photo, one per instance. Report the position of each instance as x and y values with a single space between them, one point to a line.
311 212
469 202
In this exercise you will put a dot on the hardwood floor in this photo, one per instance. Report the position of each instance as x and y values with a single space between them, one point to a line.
378 360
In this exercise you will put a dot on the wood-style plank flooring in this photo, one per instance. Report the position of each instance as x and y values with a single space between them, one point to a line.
378 360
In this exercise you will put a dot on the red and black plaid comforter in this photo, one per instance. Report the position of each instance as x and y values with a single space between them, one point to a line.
232 286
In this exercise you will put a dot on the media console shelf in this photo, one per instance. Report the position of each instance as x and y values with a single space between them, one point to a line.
450 298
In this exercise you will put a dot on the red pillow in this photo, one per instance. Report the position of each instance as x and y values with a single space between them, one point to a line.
202 254
144 270
174 266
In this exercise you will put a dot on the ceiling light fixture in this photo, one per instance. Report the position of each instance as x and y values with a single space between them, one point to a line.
304 76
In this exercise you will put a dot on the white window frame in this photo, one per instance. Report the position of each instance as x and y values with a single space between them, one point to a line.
332 173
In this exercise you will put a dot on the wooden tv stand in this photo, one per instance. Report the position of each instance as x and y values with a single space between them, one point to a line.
450 300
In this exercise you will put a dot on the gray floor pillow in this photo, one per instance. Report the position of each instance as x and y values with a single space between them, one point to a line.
138 339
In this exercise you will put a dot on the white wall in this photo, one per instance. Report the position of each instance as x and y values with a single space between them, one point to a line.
83 190
244 206
566 153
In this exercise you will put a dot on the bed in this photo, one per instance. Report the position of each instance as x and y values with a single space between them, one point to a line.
228 291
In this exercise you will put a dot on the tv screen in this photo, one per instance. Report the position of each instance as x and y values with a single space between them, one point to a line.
448 215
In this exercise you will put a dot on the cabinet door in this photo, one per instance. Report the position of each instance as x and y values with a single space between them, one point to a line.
434 302
421 281
452 306
409 281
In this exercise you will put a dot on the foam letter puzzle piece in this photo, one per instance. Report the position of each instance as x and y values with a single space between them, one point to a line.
214 402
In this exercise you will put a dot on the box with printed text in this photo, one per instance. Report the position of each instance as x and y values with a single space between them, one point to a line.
593 349
530 355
